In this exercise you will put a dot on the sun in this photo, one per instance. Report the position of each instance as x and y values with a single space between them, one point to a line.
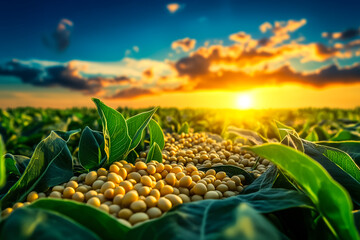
244 101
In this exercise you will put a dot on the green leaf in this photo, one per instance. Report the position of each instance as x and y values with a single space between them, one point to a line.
331 199
210 219
51 164
285 130
357 219
337 173
91 148
29 223
154 153
132 156
344 135
10 166
184 128
350 147
249 224
293 141
156 134
116 136
21 161
136 125
95 220
340 158
312 136
321 133
2 163
266 180
68 134
231 171
253 137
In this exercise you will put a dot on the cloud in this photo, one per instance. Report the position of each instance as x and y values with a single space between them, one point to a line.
134 49
345 35
240 37
280 30
185 44
130 93
265 26
244 64
148 73
239 80
59 40
64 75
173 7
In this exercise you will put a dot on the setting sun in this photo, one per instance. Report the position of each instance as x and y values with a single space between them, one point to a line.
244 101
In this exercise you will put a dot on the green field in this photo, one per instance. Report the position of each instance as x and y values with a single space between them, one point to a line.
286 174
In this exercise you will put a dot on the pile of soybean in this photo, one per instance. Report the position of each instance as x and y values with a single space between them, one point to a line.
136 193
205 150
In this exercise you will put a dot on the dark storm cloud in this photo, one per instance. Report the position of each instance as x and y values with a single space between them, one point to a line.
345 35
59 40
67 76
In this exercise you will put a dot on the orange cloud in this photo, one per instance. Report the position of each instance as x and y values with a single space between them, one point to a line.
185 44
173 7
245 64
265 26
240 37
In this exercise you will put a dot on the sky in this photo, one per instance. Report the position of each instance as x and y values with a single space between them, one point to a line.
207 54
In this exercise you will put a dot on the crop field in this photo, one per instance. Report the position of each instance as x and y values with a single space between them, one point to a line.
166 173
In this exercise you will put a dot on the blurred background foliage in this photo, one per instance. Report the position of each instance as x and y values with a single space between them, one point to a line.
23 128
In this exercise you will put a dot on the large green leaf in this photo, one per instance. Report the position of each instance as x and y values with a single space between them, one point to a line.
211 219
136 125
51 164
340 158
30 223
91 148
154 153
156 134
337 173
116 136
331 199
95 220
350 147
2 163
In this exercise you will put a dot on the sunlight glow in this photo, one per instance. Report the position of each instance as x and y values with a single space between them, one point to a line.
244 101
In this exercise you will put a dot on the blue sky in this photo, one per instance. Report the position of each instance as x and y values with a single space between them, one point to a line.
104 30
129 49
